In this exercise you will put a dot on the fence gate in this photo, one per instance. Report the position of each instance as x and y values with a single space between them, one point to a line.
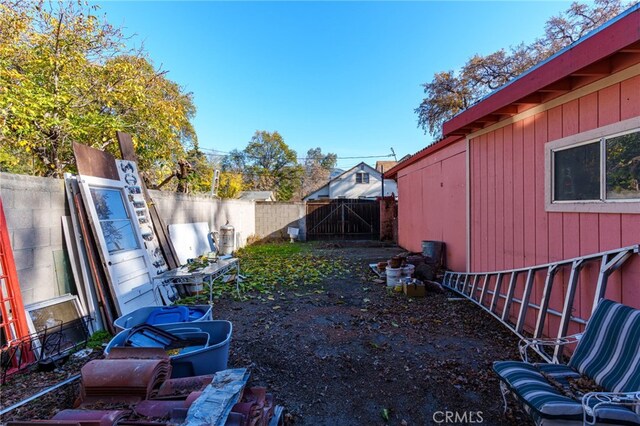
343 219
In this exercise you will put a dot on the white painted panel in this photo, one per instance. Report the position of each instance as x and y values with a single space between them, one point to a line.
190 240
129 176
122 249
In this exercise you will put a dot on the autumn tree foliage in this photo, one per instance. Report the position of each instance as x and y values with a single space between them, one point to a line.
451 92
317 169
66 75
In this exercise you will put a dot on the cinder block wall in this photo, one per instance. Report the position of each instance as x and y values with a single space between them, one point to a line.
272 219
33 207
185 208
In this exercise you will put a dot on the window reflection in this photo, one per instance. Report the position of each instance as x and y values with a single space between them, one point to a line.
623 166
114 220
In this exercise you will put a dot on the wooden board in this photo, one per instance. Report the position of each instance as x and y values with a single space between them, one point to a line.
127 149
93 162
105 298
76 249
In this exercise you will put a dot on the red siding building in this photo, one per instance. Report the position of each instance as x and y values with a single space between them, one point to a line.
501 188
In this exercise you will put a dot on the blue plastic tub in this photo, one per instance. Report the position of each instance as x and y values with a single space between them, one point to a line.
193 361
164 315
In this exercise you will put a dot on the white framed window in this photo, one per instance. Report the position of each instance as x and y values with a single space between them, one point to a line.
362 177
595 171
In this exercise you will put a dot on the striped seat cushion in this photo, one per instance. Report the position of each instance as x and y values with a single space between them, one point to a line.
609 351
533 389
544 401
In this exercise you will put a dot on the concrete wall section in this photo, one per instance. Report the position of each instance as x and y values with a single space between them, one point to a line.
273 219
184 208
33 207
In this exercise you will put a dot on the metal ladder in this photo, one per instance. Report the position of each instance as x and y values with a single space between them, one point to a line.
486 289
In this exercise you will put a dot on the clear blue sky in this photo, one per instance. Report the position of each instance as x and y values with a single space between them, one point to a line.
343 76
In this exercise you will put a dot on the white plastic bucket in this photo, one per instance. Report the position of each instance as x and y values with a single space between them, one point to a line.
393 276
407 271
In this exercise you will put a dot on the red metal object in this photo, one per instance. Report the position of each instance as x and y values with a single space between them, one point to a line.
177 388
123 379
158 409
13 321
137 353
91 417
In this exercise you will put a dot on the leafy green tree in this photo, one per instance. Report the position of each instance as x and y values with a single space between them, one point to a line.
451 92
267 164
65 75
271 165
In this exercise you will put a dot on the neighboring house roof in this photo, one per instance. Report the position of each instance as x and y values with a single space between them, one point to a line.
357 166
335 172
383 166
608 49
362 165
257 196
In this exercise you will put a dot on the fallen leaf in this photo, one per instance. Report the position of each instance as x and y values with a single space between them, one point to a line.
385 414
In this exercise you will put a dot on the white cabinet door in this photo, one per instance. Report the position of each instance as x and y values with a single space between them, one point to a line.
121 245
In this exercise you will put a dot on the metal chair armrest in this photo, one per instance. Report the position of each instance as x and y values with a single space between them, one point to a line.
593 400
526 344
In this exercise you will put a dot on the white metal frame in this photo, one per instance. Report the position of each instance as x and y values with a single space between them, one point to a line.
469 285
51 302
598 135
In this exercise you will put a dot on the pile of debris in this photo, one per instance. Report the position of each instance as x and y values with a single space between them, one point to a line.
415 274
157 368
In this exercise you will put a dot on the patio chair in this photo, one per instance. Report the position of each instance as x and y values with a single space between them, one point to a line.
608 353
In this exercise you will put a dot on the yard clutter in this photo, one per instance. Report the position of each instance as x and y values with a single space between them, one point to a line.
413 274
201 348
168 363
163 315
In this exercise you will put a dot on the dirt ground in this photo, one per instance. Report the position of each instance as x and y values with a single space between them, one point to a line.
349 352
348 349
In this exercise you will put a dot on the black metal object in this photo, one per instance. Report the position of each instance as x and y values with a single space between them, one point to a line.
348 219
46 346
